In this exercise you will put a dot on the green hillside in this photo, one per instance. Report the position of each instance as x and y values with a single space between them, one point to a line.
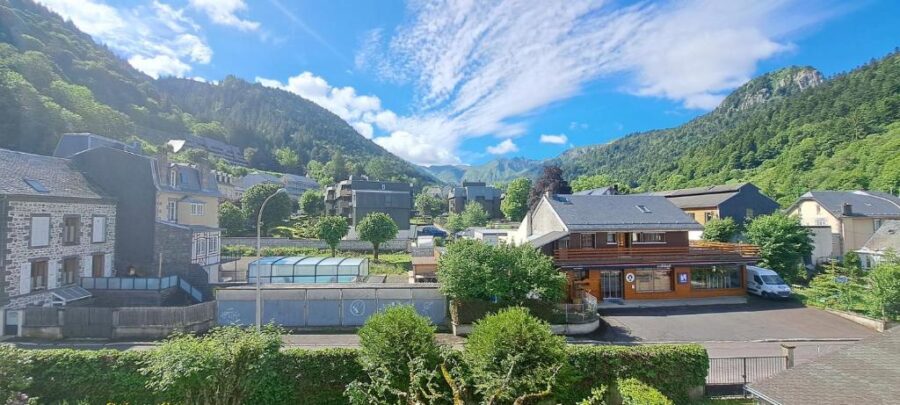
786 131
55 79
496 171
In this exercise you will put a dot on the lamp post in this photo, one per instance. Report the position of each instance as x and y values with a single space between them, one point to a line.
259 256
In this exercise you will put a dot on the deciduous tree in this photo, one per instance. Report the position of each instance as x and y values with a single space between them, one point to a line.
474 215
312 203
429 205
515 203
332 229
377 228
277 210
551 181
783 243
231 219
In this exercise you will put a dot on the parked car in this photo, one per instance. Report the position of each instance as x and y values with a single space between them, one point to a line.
766 283
432 231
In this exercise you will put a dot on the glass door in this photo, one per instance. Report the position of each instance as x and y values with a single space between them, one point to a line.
611 284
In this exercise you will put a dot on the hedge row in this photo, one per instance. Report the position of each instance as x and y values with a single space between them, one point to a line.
320 376
635 392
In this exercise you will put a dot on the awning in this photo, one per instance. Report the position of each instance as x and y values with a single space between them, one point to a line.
539 240
66 295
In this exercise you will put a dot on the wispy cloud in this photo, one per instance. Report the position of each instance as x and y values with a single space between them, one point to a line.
303 26
502 148
481 67
156 38
560 139
224 12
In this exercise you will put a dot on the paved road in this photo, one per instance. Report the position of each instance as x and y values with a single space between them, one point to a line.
758 320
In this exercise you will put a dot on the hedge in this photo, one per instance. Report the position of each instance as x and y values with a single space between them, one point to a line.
320 376
634 392
469 311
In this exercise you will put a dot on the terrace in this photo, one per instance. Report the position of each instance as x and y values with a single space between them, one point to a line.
697 252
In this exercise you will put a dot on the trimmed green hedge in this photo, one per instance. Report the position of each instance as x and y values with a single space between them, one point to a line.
320 376
635 392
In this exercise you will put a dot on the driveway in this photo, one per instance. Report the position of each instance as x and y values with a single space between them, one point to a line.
758 320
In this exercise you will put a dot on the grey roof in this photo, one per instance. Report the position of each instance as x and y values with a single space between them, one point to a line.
189 180
886 237
226 151
620 212
73 143
703 197
721 188
54 174
475 190
608 190
866 372
701 201
863 203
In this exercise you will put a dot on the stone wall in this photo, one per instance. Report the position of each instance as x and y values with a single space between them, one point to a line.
347 245
19 252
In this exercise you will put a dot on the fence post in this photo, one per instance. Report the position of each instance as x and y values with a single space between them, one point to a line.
744 376
788 355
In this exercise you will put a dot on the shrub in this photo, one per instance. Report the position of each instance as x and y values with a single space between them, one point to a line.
400 356
513 356
227 366
238 250
720 230
884 291
317 377
13 374
634 392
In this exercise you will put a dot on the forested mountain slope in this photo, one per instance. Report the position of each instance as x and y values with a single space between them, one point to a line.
786 131
55 79
501 170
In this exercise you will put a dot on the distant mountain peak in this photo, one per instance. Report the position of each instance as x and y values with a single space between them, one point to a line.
780 83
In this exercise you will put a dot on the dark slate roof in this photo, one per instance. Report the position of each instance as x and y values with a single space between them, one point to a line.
52 173
189 180
703 197
474 190
866 372
73 143
701 201
620 212
863 203
886 237
597 191
721 188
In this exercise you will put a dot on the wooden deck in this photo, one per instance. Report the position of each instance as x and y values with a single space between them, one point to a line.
697 251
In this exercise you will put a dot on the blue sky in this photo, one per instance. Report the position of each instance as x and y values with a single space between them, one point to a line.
465 82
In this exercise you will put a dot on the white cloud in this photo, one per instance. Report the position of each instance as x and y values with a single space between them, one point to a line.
560 139
417 148
502 148
365 129
223 12
480 68
156 39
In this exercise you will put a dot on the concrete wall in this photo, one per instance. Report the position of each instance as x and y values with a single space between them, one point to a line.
348 245
332 305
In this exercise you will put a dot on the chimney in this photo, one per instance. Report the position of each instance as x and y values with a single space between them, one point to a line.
162 165
847 209
204 173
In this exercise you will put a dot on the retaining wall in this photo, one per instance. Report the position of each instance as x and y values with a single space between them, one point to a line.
347 245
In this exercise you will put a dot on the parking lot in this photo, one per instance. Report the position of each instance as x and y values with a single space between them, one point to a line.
758 320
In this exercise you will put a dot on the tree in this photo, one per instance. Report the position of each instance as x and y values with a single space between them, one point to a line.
513 357
551 181
429 205
277 210
720 229
287 159
583 183
399 354
474 215
884 291
317 171
312 203
337 168
508 274
515 203
332 229
455 223
380 168
231 219
377 228
783 243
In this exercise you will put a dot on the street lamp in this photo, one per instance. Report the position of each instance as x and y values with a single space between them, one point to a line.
259 256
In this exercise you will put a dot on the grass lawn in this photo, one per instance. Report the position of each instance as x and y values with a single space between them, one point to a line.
398 263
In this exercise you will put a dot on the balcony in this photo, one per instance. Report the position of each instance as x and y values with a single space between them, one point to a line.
699 251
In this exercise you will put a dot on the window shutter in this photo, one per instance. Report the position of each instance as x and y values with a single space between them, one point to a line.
52 274
87 263
25 279
107 265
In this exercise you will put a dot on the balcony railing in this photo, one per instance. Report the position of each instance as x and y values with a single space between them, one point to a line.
708 250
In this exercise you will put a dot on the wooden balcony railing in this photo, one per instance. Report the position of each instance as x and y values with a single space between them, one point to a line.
699 250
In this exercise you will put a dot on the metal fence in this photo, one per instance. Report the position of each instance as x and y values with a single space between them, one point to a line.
141 283
729 375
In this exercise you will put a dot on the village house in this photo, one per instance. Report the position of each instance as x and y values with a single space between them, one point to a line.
884 242
739 202
632 248
168 213
488 197
55 228
355 198
842 221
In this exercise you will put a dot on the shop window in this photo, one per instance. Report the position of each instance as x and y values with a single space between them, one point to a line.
653 280
716 277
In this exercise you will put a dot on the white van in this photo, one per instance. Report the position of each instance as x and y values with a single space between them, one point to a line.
766 283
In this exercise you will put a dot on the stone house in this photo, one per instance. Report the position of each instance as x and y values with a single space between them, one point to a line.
842 221
55 228
168 213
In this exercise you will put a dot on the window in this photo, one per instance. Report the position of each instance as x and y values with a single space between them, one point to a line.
708 216
98 230
821 222
748 212
37 185
876 223
40 231
71 225
610 238
214 244
693 215
562 243
98 263
653 280
172 212
649 237
587 240
173 177
716 277
70 270
643 208
39 275
197 209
